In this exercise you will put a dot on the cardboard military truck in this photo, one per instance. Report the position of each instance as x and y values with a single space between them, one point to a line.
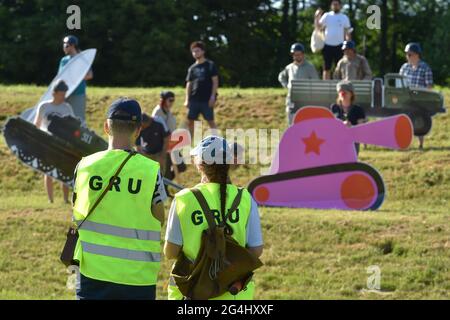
378 98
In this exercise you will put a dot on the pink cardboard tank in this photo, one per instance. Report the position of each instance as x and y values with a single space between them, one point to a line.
316 164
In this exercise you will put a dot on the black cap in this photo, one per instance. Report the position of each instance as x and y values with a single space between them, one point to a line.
72 40
167 95
60 85
125 109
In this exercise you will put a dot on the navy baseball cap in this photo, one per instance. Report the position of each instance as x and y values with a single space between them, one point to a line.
125 109
72 40
349 45
413 47
297 47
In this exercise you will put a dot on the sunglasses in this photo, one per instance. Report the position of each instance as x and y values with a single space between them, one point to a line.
170 100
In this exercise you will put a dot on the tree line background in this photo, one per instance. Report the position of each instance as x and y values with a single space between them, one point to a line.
146 43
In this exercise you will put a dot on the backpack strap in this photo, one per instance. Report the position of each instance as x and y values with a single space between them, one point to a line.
234 205
205 207
207 211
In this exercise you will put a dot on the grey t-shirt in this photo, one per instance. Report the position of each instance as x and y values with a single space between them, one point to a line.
253 228
356 69
297 72
47 108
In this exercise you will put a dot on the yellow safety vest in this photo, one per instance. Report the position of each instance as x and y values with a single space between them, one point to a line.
193 223
120 240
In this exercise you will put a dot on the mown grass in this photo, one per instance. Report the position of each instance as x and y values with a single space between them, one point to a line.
309 254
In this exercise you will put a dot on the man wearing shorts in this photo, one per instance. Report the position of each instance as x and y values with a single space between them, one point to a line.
202 82
337 29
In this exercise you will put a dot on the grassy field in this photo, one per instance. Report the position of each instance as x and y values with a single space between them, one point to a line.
309 254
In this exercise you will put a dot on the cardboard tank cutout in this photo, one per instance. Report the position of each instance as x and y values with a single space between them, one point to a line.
54 153
57 152
316 164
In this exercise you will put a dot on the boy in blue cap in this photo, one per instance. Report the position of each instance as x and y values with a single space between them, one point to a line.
60 107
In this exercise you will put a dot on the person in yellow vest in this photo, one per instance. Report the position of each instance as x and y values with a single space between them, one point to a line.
118 249
186 220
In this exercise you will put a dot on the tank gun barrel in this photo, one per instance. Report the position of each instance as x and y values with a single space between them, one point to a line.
394 132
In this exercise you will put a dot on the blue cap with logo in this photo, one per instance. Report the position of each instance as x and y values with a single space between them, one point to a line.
213 149
125 109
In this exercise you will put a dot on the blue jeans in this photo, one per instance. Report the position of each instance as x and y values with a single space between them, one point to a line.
91 289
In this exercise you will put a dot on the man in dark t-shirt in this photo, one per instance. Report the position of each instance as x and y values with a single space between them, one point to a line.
153 139
202 82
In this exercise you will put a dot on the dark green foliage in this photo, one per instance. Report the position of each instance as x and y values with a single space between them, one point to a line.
146 42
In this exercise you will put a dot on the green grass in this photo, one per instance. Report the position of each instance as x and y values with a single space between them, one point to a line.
309 254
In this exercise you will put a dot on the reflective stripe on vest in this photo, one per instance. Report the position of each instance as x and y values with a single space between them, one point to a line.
120 240
119 231
121 253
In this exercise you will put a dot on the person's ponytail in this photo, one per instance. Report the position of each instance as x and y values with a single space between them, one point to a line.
218 173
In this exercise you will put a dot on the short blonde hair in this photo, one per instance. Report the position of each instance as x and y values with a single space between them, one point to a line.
122 127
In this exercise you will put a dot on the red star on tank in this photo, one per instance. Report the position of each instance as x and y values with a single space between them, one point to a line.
313 143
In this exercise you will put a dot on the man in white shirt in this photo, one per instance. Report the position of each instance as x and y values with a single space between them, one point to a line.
337 29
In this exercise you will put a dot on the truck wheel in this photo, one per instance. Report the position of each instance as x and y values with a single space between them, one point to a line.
421 122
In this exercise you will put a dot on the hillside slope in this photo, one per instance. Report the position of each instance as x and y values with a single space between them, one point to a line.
309 254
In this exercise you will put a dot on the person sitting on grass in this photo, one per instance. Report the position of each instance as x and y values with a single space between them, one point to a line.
163 109
60 107
173 166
